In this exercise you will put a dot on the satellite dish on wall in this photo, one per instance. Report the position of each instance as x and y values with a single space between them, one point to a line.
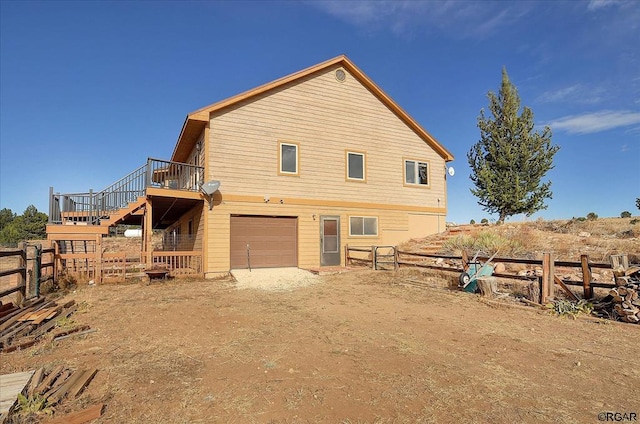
451 171
210 187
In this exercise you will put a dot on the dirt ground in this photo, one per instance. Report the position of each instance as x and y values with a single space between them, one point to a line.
357 347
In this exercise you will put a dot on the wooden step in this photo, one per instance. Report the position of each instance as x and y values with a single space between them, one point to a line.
133 208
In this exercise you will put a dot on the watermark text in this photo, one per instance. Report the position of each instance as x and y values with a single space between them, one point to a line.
618 417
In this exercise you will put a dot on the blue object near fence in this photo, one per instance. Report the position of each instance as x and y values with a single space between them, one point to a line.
477 270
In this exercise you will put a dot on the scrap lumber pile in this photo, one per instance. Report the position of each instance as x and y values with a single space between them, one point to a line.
623 301
58 384
23 326
47 389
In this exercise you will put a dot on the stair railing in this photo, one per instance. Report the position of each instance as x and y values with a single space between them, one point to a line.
89 208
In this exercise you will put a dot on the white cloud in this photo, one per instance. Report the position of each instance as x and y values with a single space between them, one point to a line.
463 19
589 123
577 93
599 4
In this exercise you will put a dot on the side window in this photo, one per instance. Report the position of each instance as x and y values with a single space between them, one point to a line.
416 172
356 166
363 226
288 159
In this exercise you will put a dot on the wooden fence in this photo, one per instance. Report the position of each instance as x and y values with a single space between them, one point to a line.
28 267
25 268
548 280
20 270
179 263
98 266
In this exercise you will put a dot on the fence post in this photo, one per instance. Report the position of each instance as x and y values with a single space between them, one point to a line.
547 277
37 267
373 257
540 294
586 277
57 262
465 260
396 265
23 273
346 254
54 245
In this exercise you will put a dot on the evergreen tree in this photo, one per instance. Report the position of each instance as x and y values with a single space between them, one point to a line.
510 159
6 216
31 225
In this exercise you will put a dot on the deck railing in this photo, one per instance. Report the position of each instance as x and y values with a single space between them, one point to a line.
185 263
90 266
91 207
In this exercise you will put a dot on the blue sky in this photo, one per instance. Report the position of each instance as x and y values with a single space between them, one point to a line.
89 90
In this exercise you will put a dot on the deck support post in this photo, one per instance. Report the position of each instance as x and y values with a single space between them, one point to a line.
148 233
98 268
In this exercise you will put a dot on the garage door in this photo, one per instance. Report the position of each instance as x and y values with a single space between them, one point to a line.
272 242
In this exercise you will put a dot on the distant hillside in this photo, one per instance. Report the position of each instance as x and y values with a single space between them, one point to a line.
566 239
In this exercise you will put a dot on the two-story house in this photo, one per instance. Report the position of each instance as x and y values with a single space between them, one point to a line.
306 164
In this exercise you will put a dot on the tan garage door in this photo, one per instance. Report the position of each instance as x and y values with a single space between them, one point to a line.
272 241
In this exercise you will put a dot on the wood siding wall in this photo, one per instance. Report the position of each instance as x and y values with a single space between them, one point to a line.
394 226
196 216
325 118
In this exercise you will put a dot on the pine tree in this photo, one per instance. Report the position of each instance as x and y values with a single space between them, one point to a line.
6 216
510 159
31 225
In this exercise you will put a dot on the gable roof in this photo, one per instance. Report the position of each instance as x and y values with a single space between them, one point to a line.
196 121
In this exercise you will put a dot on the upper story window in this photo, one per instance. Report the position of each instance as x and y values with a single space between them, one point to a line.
288 159
416 172
356 166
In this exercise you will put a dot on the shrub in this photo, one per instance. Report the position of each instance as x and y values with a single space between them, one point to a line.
484 221
570 309
473 221
592 216
625 214
485 242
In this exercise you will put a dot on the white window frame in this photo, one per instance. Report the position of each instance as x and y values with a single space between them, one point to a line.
416 171
351 234
364 165
280 162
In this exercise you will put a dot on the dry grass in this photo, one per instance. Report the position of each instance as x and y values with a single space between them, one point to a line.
565 239
359 347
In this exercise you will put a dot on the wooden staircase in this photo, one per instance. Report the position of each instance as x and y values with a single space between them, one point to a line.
135 208
78 225
87 215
